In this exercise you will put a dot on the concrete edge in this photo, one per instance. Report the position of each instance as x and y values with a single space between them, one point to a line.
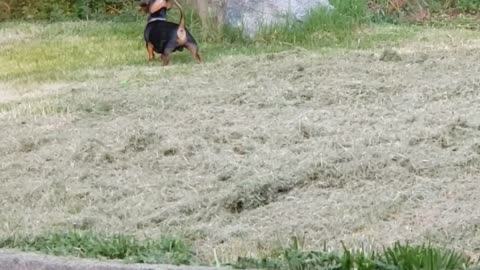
13 260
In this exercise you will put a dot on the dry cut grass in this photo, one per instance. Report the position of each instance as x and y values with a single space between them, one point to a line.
241 152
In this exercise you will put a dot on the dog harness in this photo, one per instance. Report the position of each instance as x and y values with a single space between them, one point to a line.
155 19
160 15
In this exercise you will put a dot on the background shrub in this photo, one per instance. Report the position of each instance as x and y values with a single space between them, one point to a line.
55 10
64 9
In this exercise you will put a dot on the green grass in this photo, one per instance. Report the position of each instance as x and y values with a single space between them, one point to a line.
58 51
76 50
293 257
322 28
62 50
93 245
461 22
397 257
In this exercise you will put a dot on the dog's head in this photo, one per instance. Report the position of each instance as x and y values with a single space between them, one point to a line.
152 6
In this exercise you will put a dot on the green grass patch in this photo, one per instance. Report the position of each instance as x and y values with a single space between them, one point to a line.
397 257
60 51
75 51
102 246
170 250
322 27
463 21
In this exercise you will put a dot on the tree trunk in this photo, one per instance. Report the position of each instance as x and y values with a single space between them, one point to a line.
202 8
211 12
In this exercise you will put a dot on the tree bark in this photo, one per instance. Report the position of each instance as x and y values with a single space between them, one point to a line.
202 8
211 12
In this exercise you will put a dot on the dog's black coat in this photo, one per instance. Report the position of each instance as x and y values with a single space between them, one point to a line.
163 36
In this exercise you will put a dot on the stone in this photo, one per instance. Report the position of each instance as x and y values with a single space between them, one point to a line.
250 15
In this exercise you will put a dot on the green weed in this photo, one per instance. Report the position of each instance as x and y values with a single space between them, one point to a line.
469 5
425 257
292 257
321 27
398 257
94 245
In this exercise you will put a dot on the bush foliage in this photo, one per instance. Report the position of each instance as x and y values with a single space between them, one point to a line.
55 10
64 9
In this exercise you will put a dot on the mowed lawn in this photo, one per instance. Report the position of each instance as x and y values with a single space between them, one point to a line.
367 141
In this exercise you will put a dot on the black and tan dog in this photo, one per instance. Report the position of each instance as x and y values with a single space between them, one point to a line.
164 37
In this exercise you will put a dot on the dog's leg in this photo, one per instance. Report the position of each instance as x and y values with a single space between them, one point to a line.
151 54
168 50
166 59
194 50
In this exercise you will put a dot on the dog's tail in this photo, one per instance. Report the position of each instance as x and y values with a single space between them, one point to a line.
181 24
